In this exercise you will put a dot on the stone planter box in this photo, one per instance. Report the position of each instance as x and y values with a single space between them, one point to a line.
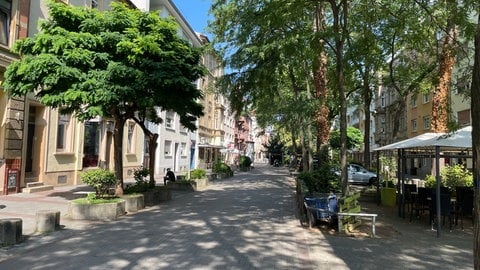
101 211
198 184
212 176
201 183
133 202
182 186
10 231
157 196
368 196
224 175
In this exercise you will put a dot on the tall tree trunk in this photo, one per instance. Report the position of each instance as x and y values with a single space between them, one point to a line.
367 98
152 148
340 28
118 153
320 84
475 107
440 100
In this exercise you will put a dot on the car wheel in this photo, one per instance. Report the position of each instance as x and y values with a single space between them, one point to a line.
372 181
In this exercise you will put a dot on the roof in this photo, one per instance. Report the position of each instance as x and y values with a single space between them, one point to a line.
461 138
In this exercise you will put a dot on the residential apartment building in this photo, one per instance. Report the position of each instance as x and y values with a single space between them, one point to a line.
390 118
211 129
37 143
244 136
356 118
59 146
414 119
13 26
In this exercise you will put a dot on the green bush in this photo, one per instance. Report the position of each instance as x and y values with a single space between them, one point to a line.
220 167
455 176
451 177
322 180
198 174
93 199
244 161
101 180
141 182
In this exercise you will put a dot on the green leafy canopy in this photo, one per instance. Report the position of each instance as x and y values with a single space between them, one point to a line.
96 63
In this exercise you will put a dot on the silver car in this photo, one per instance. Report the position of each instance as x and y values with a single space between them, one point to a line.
359 175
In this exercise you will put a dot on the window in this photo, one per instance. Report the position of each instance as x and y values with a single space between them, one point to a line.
414 100
168 148
63 133
402 123
170 120
426 122
426 98
130 137
382 99
414 125
91 144
463 117
183 149
5 12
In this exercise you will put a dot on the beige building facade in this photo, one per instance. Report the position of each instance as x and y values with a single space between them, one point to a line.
41 145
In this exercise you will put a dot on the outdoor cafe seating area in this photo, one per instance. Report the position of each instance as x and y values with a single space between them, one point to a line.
455 206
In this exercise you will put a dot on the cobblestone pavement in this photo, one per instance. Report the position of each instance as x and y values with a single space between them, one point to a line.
245 222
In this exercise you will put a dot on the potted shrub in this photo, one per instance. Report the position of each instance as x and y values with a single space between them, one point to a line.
244 162
144 190
451 177
222 170
198 180
388 192
199 176
99 205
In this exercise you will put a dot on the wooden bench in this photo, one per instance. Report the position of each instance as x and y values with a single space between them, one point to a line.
341 215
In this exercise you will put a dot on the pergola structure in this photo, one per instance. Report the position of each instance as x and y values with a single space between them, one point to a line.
456 144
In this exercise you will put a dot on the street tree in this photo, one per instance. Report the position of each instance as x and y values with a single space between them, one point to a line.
270 47
121 63
475 108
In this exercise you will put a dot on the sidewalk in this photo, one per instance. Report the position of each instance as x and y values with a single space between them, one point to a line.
26 205
244 222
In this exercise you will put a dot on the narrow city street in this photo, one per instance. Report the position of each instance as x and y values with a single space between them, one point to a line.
244 222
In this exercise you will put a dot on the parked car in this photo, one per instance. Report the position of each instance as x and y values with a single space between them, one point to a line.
359 175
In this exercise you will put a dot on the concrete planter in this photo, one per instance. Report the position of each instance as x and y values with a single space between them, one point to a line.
224 175
196 184
101 211
212 176
182 186
157 196
368 196
10 231
201 183
133 202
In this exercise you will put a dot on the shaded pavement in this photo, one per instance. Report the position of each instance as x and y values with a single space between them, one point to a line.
244 222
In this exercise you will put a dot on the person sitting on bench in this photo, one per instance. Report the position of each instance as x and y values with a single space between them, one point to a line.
170 176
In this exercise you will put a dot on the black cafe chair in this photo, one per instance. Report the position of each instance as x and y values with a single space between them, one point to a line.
464 206
420 202
446 209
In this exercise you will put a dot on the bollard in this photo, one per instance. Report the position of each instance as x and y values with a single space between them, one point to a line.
47 221
10 231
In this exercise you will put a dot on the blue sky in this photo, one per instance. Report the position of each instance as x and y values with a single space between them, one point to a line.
195 12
